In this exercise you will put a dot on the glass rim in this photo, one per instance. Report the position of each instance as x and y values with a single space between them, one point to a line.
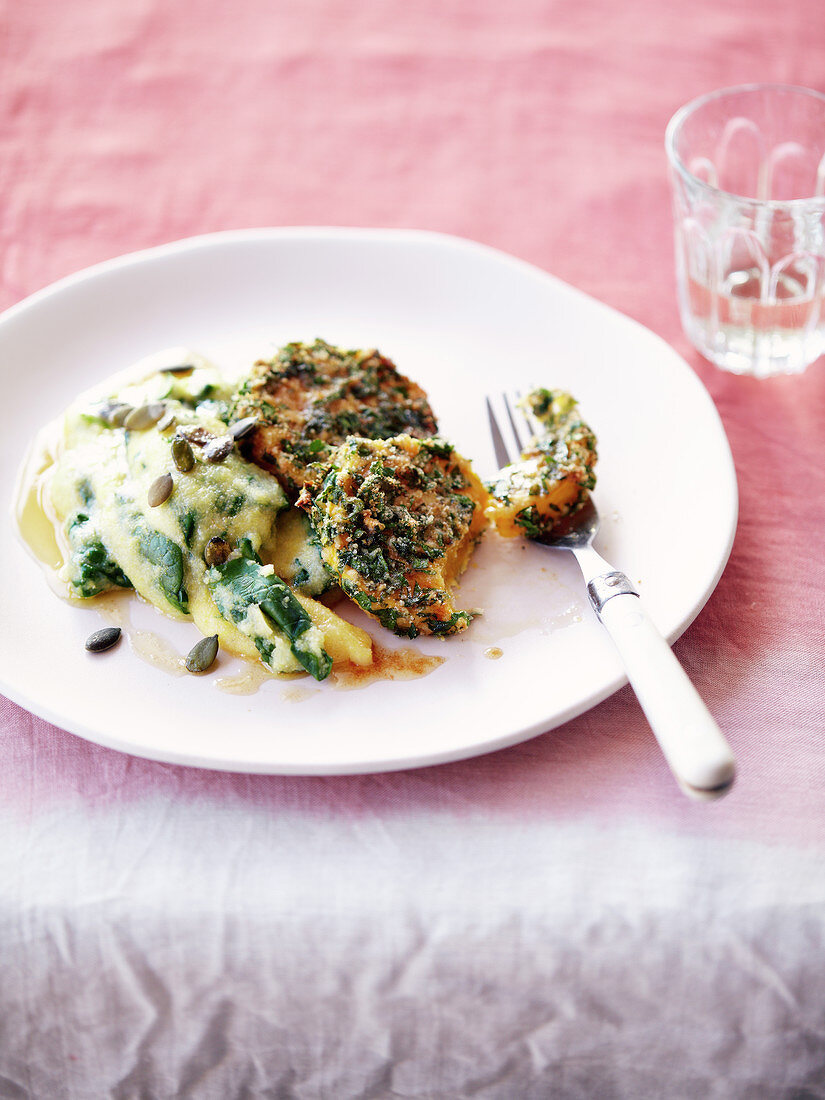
677 121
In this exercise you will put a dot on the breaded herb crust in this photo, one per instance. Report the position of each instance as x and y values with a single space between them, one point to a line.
397 520
555 473
310 397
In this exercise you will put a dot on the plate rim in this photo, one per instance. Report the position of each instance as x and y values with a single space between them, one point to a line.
397 236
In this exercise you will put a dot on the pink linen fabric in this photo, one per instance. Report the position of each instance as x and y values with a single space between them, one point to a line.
536 127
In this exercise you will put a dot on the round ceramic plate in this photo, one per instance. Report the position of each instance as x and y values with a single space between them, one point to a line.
462 320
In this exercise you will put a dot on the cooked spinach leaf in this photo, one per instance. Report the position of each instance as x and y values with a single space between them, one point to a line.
167 556
238 584
95 570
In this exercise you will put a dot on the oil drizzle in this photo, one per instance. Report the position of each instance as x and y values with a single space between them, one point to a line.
245 682
387 664
150 647
299 694
37 524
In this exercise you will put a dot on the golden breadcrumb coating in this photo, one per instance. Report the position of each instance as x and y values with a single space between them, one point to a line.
397 520
310 397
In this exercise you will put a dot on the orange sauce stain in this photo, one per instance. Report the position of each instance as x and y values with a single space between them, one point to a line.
387 664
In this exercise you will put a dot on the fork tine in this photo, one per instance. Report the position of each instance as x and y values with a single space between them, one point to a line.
499 446
509 426
510 416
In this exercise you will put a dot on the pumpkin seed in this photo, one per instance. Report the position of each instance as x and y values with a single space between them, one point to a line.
217 551
178 369
119 415
194 433
160 490
182 454
144 417
242 427
219 448
168 420
107 411
202 654
103 639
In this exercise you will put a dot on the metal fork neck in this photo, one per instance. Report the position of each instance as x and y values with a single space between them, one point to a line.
603 581
605 587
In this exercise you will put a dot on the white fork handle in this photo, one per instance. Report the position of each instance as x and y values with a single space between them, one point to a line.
693 745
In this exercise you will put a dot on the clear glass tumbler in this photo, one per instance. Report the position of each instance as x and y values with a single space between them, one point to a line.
748 172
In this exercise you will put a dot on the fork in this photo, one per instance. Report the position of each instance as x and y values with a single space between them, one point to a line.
690 739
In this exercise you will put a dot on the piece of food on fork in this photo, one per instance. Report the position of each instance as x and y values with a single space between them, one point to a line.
555 474
692 743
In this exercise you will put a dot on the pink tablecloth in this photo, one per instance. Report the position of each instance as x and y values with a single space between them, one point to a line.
554 920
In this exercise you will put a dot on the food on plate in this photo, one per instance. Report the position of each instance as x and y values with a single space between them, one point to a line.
246 591
241 503
148 491
295 554
555 474
397 520
309 398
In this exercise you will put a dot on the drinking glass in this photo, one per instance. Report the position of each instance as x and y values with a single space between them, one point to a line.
748 171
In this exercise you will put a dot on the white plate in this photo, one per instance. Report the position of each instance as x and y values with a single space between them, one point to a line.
462 320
